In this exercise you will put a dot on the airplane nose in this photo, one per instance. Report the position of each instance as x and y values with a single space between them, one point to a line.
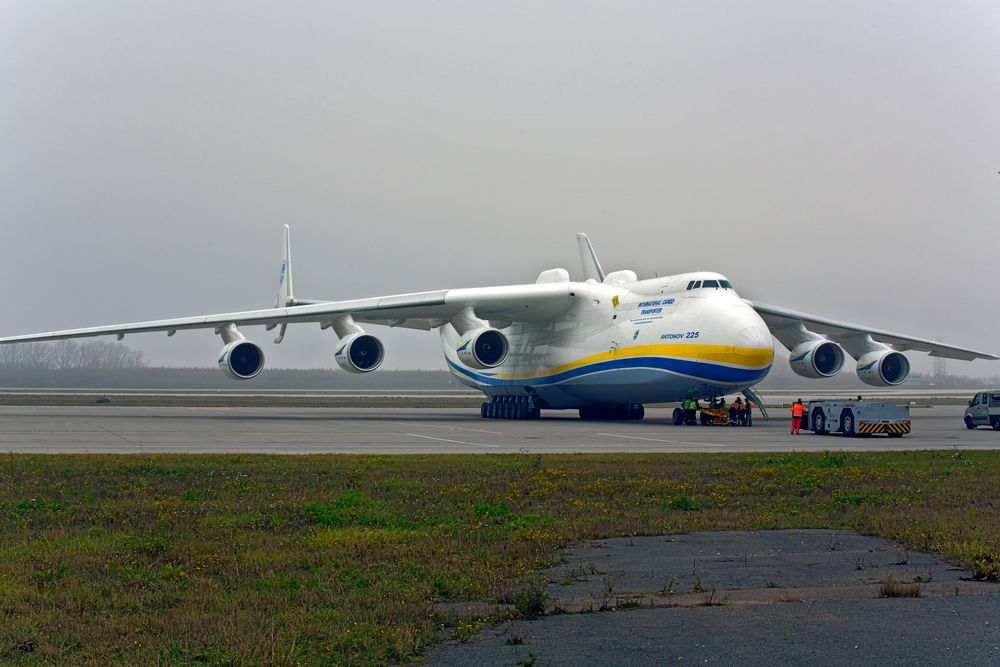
754 336
753 339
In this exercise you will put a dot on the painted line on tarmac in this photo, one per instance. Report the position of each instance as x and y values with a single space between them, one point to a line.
452 428
457 442
669 442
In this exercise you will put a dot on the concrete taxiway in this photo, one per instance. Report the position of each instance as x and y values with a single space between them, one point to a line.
783 597
285 430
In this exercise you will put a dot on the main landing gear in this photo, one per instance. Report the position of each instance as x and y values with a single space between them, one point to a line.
629 412
510 407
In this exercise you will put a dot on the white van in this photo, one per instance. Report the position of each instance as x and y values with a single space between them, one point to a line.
984 410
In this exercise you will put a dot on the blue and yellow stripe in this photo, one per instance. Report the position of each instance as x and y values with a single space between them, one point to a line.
713 363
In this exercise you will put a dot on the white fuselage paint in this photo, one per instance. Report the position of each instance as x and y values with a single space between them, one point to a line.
647 341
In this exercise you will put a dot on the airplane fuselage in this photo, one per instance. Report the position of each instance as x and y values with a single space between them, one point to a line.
647 341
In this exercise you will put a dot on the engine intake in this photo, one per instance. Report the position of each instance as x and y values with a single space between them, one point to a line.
883 368
241 360
817 359
483 348
360 353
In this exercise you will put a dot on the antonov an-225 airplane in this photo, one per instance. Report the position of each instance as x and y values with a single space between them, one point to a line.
604 346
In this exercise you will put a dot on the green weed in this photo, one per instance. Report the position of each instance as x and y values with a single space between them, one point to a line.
682 504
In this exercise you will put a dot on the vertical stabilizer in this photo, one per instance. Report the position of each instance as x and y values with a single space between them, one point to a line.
588 258
286 297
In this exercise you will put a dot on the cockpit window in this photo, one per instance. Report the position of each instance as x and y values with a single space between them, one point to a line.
698 284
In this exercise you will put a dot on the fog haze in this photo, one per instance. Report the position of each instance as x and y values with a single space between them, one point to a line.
838 158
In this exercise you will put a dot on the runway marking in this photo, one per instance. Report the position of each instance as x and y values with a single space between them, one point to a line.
453 428
457 442
670 442
121 437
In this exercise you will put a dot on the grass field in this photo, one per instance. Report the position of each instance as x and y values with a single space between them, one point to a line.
337 559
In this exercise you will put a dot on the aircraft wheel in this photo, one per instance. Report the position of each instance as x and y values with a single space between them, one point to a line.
639 412
969 424
678 417
847 423
706 420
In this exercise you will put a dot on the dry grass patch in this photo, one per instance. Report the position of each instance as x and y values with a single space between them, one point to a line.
893 588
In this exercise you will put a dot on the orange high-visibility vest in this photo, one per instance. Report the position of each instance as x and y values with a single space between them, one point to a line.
798 410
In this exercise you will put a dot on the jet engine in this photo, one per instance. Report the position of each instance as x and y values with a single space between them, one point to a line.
483 348
360 353
883 368
241 360
817 359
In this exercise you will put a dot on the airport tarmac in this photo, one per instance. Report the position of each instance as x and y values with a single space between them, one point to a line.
780 597
284 430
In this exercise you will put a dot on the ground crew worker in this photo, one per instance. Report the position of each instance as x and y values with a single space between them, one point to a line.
689 408
798 411
747 417
734 413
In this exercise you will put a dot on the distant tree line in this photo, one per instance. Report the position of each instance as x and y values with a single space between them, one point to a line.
70 354
115 365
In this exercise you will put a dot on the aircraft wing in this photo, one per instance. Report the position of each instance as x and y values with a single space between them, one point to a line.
788 326
420 310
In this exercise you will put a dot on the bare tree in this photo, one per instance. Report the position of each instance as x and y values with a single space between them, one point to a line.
68 354
26 356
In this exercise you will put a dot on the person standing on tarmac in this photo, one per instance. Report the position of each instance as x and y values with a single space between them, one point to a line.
747 416
689 415
734 413
798 411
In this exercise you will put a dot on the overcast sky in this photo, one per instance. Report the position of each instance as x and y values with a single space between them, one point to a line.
835 157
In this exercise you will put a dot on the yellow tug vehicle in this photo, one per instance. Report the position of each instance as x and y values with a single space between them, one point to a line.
715 416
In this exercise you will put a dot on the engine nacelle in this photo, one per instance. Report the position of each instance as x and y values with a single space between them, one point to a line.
817 359
483 348
360 353
241 360
883 368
